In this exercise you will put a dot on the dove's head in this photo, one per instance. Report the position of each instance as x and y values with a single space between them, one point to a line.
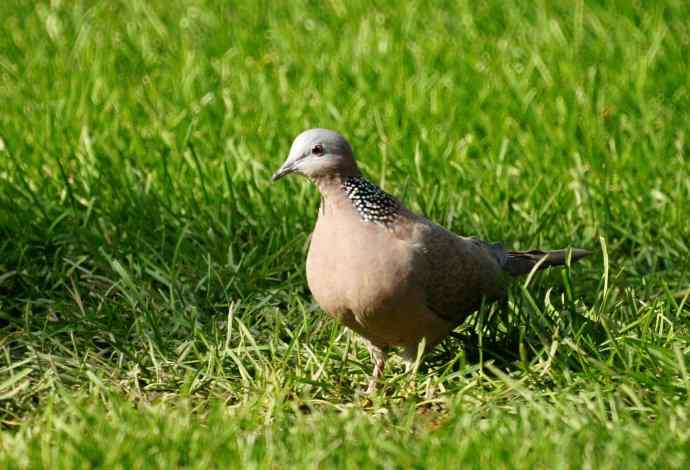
317 154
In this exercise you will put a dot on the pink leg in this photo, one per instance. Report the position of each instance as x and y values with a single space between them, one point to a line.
378 355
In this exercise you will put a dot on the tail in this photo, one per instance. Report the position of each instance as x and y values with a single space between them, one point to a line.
516 263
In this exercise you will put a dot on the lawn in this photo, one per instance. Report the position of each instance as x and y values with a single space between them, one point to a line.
154 311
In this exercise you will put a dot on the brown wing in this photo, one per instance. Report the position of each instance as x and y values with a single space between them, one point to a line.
456 273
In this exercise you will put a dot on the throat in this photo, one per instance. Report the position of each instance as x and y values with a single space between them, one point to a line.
371 202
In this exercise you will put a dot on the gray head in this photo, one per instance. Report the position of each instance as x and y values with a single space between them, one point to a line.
319 153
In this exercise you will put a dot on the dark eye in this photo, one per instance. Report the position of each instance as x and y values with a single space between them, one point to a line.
317 150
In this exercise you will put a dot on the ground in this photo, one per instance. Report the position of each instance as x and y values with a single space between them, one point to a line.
153 304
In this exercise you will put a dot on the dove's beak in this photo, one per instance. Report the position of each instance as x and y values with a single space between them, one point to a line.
290 166
286 169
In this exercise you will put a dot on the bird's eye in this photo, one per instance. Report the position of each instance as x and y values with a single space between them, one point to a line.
317 150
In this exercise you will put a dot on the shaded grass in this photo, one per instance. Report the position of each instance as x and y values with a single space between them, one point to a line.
151 280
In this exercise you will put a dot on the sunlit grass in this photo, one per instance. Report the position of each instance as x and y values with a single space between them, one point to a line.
153 305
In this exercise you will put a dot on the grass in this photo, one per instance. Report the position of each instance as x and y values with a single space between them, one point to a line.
153 305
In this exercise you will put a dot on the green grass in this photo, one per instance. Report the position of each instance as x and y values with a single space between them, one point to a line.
153 305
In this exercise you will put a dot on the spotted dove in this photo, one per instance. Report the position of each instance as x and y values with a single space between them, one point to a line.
387 273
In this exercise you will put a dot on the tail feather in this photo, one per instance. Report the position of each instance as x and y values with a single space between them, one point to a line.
516 263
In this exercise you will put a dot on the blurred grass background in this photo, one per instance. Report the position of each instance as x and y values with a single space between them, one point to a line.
153 305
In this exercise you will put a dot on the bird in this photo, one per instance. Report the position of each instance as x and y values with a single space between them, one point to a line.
392 276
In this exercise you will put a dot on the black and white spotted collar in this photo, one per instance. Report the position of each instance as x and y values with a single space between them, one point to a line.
372 203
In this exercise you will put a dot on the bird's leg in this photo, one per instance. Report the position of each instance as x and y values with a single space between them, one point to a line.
412 354
409 358
378 355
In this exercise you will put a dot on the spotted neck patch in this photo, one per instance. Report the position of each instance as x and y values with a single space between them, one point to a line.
372 203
